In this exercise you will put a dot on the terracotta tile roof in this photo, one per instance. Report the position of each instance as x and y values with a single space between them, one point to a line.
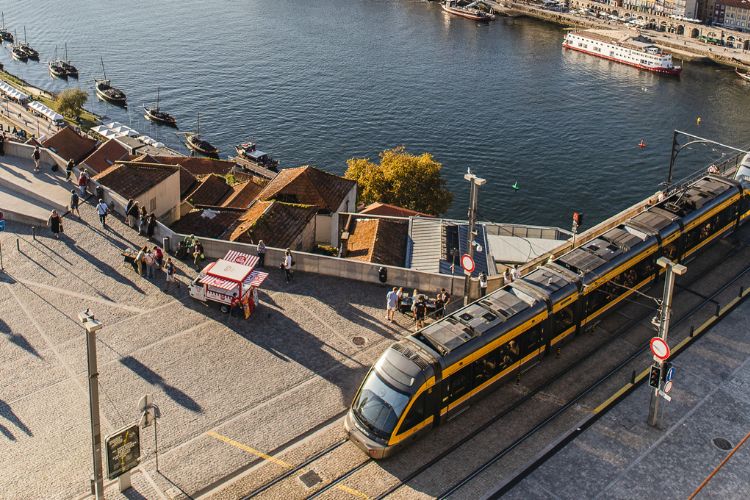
310 186
188 182
742 4
207 222
378 208
131 179
68 144
197 165
277 224
244 193
211 190
381 241
105 156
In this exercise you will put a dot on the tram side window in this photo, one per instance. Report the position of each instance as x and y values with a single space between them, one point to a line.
495 362
416 413
531 340
564 318
460 383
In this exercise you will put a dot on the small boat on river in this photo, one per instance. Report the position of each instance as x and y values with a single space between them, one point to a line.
70 70
30 52
469 11
106 92
56 69
5 34
156 115
249 151
17 54
197 144
744 76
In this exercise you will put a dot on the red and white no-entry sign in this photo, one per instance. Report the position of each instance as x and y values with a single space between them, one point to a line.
467 263
659 348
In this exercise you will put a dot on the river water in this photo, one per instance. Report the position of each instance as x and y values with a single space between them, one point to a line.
319 82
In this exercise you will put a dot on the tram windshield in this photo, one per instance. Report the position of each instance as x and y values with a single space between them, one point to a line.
379 406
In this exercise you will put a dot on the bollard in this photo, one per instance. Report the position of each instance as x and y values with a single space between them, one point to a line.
718 310
692 331
33 233
18 245
632 377
742 291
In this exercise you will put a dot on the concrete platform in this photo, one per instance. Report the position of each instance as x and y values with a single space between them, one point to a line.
23 189
620 456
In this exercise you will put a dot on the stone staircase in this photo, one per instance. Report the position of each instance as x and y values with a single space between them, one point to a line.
27 197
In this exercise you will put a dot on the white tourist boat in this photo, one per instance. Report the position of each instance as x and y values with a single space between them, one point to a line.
637 51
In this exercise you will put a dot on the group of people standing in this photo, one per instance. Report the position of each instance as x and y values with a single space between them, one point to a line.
139 218
419 305
151 260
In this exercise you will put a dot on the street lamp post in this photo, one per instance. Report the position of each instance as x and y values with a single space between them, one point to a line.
92 326
476 182
672 268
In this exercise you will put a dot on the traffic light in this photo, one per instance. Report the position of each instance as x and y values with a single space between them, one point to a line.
578 218
654 378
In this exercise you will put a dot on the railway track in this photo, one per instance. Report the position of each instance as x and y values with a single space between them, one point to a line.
516 405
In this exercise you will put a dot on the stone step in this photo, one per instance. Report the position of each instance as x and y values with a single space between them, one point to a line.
17 207
46 187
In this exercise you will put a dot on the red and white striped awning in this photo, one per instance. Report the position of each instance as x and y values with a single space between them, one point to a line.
219 282
244 259
255 279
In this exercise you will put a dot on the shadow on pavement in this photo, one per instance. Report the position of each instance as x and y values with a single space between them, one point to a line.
7 412
154 378
17 339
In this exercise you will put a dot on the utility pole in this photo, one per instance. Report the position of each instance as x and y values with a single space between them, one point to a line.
476 182
92 326
654 411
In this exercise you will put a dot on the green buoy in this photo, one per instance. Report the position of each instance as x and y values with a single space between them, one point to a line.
516 186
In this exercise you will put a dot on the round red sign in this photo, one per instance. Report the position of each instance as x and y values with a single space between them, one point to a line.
659 348
467 263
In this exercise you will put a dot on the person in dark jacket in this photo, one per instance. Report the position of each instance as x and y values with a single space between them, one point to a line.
2 144
151 225
69 169
55 224
132 213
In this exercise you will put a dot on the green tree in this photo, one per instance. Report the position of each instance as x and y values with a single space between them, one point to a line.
70 102
403 179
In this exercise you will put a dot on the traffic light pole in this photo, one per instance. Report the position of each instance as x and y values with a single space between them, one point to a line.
654 413
473 202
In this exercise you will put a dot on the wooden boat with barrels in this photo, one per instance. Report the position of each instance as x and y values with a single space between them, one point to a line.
106 92
469 11
156 115
195 143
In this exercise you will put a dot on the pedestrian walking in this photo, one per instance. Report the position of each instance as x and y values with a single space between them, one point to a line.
55 224
83 181
74 202
150 225
150 263
69 169
507 278
261 253
142 220
2 144
391 302
439 306
287 264
169 269
158 257
102 209
36 156
131 210
482 284
400 295
198 254
446 297
139 259
419 308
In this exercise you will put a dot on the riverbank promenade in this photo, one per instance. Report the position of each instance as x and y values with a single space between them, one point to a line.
224 385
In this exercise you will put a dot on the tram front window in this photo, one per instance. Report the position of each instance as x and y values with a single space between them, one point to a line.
379 406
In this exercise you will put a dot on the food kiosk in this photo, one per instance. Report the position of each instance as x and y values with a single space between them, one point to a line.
227 278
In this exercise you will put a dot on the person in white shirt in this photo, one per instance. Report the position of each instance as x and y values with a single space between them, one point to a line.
287 265
102 209
514 273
